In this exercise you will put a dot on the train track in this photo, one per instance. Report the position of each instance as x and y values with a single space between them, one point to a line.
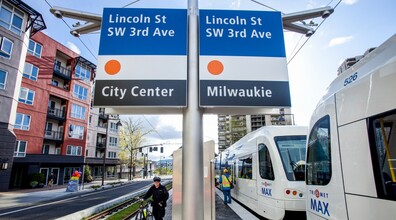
115 209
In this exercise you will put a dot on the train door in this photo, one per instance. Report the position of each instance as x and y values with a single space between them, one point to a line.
265 183
324 178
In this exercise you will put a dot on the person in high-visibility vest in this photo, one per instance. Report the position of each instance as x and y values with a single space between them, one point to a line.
225 183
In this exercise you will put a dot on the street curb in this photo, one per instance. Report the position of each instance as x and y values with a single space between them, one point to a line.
98 208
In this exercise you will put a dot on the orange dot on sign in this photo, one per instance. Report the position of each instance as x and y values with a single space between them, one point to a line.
112 67
215 67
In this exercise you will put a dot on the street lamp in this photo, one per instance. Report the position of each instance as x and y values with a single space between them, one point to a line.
119 124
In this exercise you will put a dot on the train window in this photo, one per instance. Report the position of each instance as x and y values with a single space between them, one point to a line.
383 133
265 163
240 162
245 168
292 153
318 167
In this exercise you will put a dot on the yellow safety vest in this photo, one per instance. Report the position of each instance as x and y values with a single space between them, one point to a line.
225 182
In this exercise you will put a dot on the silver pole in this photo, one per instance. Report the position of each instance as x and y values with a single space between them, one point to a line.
192 177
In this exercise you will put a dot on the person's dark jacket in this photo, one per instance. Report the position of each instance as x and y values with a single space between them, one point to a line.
160 195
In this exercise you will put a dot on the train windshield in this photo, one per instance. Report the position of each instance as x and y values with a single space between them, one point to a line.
292 153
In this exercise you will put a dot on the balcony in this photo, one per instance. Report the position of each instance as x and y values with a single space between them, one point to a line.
101 145
102 129
103 116
62 72
53 135
57 114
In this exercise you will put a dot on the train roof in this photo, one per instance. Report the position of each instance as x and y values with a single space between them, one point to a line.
240 147
372 61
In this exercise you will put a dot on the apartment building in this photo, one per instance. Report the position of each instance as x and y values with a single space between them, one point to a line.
231 128
102 140
51 120
18 22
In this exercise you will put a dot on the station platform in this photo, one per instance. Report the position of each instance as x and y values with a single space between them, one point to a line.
19 198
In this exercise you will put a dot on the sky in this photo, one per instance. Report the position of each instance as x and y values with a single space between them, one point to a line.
355 26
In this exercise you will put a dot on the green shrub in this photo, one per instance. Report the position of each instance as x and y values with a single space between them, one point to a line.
38 177
87 174
33 184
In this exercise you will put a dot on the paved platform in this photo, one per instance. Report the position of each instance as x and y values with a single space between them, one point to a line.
17 198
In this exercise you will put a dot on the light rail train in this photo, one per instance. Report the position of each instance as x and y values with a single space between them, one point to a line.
351 148
267 168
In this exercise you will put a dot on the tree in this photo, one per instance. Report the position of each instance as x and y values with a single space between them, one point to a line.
131 138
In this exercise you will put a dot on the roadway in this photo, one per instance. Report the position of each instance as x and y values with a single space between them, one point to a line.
59 207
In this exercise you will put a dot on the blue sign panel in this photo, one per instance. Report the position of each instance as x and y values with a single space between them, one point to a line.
241 33
132 31
142 58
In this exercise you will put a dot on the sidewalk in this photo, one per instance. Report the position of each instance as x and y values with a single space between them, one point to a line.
23 197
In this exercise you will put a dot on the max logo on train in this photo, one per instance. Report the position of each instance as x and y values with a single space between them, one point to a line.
266 191
317 205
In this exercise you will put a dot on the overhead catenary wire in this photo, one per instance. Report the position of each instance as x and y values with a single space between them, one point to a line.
155 130
83 43
299 49
78 37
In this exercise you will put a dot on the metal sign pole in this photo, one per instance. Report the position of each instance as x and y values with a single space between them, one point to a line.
192 178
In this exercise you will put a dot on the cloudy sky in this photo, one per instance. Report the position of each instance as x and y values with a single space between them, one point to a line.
355 26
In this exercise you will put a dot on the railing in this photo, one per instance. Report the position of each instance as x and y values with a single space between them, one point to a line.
101 144
55 112
102 115
53 135
60 70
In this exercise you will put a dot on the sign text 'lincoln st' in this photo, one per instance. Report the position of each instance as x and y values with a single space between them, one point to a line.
142 58
242 59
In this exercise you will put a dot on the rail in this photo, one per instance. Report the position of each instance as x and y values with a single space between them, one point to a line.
115 209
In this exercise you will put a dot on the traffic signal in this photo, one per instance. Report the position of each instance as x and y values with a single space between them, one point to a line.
155 149
151 149
162 150
140 150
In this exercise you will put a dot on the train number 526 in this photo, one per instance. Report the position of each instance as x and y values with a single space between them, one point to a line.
350 79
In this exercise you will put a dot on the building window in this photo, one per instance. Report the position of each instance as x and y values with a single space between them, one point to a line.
73 150
78 111
113 127
11 18
80 92
58 150
5 47
3 79
35 48
76 131
22 121
46 149
113 142
20 149
111 154
83 72
55 83
30 71
26 96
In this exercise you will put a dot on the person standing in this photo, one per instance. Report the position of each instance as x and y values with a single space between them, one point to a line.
51 180
225 181
160 195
